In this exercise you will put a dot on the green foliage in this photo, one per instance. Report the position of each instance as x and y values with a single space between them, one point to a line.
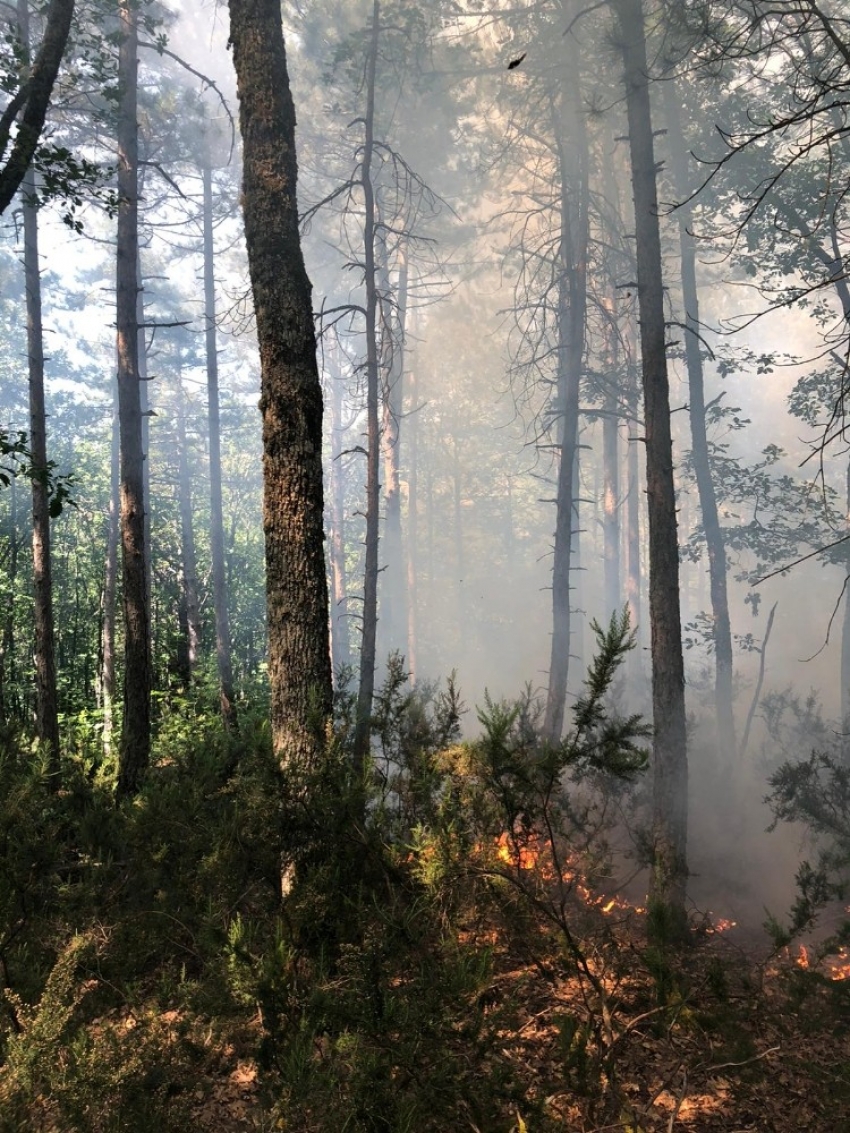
371 997
16 460
115 921
814 792
125 929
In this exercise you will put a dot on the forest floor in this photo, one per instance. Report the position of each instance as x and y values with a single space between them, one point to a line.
757 1044
720 1038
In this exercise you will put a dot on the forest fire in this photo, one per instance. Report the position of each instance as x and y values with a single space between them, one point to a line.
835 966
534 853
717 925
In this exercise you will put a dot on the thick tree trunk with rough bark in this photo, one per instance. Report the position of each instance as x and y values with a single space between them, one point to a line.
136 729
571 139
291 398
222 621
715 543
363 727
670 768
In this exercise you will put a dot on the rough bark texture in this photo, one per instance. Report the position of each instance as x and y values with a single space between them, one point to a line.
44 648
222 621
571 139
28 107
670 774
291 398
715 543
366 691
136 730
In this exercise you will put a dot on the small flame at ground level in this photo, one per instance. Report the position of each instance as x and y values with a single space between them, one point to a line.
534 853
836 965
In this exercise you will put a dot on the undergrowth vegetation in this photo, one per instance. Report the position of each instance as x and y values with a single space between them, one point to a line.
388 955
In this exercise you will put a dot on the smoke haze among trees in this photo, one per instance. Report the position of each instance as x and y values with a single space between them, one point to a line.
424 461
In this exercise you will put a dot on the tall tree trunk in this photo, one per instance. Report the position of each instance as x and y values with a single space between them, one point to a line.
107 681
715 543
611 468
8 660
136 729
845 636
412 544
634 492
393 615
145 410
571 137
339 573
44 650
670 768
461 589
189 580
363 727
222 622
291 398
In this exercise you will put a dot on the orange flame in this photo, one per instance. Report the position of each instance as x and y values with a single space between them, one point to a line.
534 853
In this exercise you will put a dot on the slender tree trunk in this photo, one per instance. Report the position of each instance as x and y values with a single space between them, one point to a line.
222 622
460 587
145 410
189 596
715 543
393 613
670 769
611 471
339 573
412 545
44 651
363 727
11 703
108 684
429 530
291 399
845 638
571 138
611 509
633 542
136 730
